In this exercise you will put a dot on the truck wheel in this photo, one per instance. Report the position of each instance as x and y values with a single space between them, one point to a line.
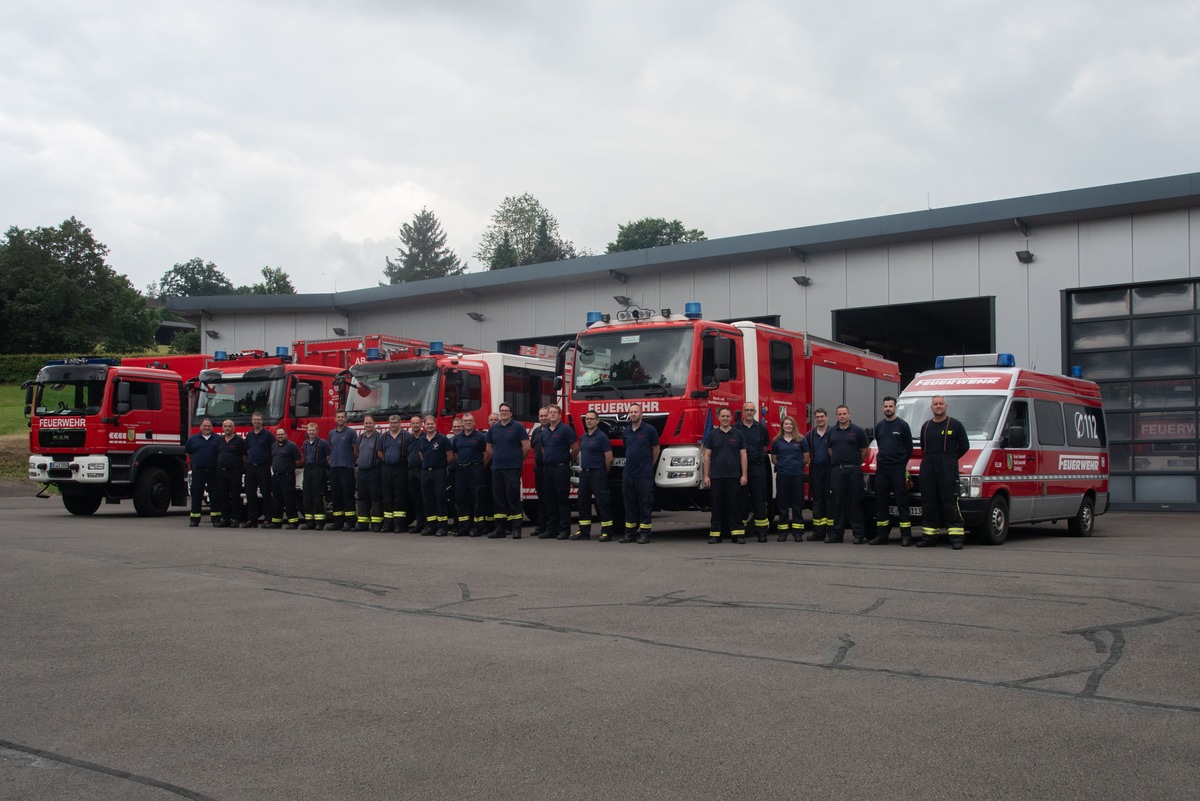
152 493
81 504
994 529
1084 521
530 508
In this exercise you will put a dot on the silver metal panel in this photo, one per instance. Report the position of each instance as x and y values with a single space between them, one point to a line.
826 292
1105 252
955 268
713 290
1002 276
1161 249
910 272
867 277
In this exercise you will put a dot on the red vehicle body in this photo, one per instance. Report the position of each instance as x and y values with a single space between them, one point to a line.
1039 448
449 383
347 351
683 369
104 432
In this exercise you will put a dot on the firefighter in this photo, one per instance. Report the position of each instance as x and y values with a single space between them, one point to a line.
559 448
637 479
537 445
789 452
848 450
201 450
757 490
316 474
507 447
726 469
258 472
416 504
894 447
436 456
595 460
231 460
470 448
369 480
820 468
485 489
285 458
343 455
943 442
395 445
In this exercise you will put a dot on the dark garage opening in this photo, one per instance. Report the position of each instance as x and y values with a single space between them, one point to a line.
914 334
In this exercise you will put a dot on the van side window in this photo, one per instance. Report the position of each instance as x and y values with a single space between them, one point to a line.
1085 426
1018 415
782 379
1049 423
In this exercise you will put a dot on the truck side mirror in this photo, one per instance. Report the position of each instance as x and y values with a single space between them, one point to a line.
303 401
1014 437
870 433
721 375
28 399
123 395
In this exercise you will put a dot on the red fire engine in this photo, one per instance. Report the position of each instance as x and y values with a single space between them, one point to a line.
1039 449
683 369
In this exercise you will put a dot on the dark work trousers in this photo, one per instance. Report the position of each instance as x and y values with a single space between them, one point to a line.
638 495
451 491
939 497
433 492
819 484
341 495
593 486
889 481
755 495
314 480
846 480
229 493
557 500
726 499
539 486
416 503
258 480
395 494
283 498
486 502
468 496
370 497
790 495
506 495
204 480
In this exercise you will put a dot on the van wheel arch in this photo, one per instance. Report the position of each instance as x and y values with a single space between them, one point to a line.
994 528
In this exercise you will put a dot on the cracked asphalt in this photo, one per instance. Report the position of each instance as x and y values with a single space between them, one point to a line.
142 659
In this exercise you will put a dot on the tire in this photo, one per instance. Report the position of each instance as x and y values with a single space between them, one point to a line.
152 493
1084 521
82 504
530 509
994 529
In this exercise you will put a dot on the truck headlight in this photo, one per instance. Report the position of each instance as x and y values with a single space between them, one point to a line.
682 461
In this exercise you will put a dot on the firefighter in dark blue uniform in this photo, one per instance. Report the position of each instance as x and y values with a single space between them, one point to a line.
559 447
369 478
316 475
285 458
789 453
894 447
436 456
231 460
943 442
416 504
595 460
201 450
343 454
538 446
507 446
637 477
725 473
848 450
820 477
470 449
757 490
258 471
395 445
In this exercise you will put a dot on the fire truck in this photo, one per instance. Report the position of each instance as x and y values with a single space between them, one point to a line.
101 431
447 381
683 369
347 351
1039 448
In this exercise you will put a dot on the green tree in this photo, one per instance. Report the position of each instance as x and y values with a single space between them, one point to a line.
505 255
424 253
652 232
275 282
58 293
524 219
186 342
194 278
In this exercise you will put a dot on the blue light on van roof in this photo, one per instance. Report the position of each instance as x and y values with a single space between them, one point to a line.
1076 371
939 363
976 360
1006 360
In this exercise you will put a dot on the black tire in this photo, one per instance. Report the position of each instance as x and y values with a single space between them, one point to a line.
81 504
994 529
1084 521
152 493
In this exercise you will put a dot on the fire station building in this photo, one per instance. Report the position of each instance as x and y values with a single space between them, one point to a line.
1103 279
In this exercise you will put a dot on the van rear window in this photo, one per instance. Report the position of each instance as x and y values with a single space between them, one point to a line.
1085 426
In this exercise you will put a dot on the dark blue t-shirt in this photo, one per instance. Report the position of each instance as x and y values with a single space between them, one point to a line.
506 445
639 450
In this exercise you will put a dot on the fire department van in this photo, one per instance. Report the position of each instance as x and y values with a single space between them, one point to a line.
1039 449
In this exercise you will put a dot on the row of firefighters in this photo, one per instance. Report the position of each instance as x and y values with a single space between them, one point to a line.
395 479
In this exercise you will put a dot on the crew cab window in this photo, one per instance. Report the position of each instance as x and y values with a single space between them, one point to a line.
782 374
1049 423
145 396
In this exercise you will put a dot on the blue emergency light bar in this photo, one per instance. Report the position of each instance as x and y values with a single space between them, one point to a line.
437 347
108 360
220 356
691 310
281 351
976 360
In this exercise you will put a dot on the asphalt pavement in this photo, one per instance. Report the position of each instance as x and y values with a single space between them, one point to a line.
142 659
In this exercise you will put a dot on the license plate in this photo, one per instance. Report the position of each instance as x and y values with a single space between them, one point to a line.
60 465
618 461
913 511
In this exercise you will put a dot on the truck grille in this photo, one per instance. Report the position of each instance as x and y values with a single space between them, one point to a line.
62 438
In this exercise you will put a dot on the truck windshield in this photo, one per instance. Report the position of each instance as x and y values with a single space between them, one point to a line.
405 394
69 398
237 400
649 363
979 414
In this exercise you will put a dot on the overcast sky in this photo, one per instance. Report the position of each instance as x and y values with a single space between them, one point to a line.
302 134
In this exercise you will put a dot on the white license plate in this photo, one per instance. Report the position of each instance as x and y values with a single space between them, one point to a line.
618 461
913 511
60 465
